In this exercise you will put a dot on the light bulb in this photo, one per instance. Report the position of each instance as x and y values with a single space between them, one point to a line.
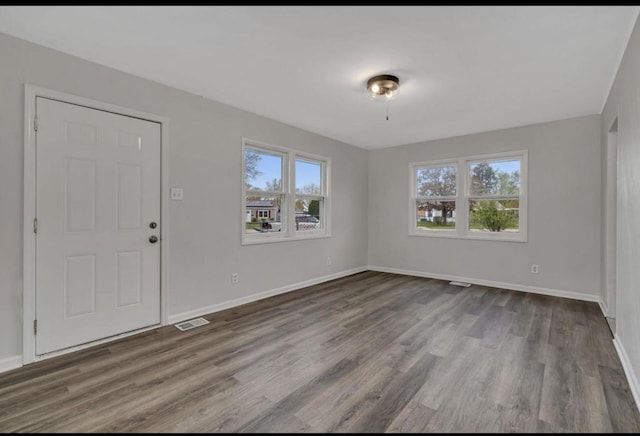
383 87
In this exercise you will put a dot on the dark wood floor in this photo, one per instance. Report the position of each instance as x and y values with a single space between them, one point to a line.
371 352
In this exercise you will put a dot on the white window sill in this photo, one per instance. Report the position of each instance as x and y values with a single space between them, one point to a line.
298 237
480 236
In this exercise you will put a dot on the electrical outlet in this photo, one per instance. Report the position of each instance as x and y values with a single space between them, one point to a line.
176 194
328 261
234 278
534 269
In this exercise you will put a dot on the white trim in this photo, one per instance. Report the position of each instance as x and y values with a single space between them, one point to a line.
301 237
284 193
9 363
29 240
603 307
491 283
248 142
179 317
628 370
287 214
462 197
477 157
610 208
450 234
164 216
436 163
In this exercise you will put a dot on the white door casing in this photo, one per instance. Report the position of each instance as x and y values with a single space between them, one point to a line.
97 191
610 221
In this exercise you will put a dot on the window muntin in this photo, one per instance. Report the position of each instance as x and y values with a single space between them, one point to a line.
285 194
435 197
481 197
309 195
494 195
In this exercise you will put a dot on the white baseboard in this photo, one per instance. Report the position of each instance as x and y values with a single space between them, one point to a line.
481 282
628 370
173 319
9 363
603 307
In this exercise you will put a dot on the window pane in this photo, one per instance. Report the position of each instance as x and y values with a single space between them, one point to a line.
436 181
308 177
495 178
264 214
436 215
494 215
309 213
262 170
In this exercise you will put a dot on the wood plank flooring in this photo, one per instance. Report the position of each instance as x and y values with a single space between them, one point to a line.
372 352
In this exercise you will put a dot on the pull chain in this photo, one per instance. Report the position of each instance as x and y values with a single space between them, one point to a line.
387 111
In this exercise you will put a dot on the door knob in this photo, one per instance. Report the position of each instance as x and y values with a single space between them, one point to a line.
153 239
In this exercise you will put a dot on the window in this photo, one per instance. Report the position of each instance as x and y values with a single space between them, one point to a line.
481 197
285 194
435 202
309 195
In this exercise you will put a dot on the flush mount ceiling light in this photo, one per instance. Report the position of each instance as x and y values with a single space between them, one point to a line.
384 87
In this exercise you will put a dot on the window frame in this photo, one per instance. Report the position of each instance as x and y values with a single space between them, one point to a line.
463 196
322 196
444 198
288 191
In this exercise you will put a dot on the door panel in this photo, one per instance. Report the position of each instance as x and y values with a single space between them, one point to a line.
97 190
129 273
129 202
80 195
79 286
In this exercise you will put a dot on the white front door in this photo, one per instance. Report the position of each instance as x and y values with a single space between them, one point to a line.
97 195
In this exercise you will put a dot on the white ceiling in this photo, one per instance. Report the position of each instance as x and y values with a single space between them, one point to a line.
462 69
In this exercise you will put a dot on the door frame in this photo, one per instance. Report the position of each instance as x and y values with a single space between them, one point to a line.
31 92
611 194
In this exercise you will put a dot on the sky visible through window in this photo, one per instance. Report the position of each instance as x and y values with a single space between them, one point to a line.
488 182
269 167
507 167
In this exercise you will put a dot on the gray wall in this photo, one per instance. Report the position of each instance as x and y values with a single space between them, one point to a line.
564 210
204 159
623 102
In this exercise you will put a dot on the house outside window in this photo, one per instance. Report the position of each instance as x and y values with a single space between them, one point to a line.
475 197
285 194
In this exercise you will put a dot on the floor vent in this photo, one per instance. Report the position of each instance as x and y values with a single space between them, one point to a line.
191 324
466 285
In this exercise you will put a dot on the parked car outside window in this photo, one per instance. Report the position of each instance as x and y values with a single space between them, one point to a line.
270 226
303 222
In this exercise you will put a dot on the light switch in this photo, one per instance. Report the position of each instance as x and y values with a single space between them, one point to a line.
176 193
